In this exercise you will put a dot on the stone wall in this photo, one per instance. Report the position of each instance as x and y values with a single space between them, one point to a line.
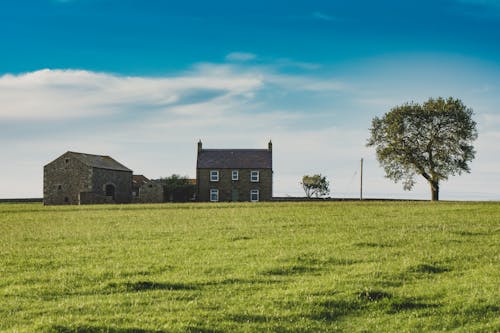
121 180
242 186
91 198
64 179
151 192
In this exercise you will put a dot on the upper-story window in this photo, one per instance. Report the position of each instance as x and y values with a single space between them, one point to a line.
214 175
254 176
235 175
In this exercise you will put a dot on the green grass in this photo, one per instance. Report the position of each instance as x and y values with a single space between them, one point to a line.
279 267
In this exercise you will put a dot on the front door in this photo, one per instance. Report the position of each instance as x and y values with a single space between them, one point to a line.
235 195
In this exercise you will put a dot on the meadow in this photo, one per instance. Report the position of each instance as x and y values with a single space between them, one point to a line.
276 267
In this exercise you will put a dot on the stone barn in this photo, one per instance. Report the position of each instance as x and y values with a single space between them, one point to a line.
77 178
234 174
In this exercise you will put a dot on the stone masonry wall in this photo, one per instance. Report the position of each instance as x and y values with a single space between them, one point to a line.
64 179
243 185
121 180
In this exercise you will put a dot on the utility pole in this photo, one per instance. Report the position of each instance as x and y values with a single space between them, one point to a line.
361 182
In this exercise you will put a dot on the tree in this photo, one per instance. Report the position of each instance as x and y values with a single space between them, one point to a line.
178 188
316 185
433 140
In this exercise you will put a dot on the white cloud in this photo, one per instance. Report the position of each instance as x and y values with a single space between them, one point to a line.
240 56
57 94
152 124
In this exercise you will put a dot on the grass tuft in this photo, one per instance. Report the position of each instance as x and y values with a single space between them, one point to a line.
150 285
428 269
373 295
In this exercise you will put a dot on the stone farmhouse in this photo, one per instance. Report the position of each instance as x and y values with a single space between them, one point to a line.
77 178
221 175
234 174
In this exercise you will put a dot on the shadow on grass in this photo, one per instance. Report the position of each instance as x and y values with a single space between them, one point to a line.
241 281
408 304
150 285
201 329
96 329
311 260
372 244
332 310
250 318
428 269
373 295
289 270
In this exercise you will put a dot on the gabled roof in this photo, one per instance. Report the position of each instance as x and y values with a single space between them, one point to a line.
139 180
99 161
235 159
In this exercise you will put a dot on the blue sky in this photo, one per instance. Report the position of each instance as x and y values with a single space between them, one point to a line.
142 81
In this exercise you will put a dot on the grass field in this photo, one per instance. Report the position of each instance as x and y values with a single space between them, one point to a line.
280 267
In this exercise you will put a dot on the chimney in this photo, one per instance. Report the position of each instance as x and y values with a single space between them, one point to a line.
200 146
270 146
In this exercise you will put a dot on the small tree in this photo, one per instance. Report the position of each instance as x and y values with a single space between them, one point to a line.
433 140
316 185
178 188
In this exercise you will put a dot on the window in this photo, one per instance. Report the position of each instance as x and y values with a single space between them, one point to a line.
214 175
254 195
59 187
66 160
214 195
234 175
254 176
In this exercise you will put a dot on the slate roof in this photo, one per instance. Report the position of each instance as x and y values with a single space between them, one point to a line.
99 161
235 159
139 180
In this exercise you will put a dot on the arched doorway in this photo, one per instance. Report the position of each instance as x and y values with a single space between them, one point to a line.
110 190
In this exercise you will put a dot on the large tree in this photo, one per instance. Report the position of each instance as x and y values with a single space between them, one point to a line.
433 140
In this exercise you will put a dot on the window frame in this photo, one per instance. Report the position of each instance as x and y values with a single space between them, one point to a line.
257 178
214 191
235 173
254 192
216 173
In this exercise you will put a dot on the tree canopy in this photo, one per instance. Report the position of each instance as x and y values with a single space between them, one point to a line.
316 185
433 140
178 188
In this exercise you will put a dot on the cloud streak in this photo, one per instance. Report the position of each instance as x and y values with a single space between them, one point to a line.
152 124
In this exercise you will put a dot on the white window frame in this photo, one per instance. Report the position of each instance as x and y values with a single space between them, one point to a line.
235 175
214 191
254 179
254 192
214 175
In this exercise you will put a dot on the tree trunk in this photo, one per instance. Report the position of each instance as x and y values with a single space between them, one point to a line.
435 190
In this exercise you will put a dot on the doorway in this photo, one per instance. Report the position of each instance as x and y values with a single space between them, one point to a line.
110 191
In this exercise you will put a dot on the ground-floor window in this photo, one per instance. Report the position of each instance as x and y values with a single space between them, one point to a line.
254 195
214 195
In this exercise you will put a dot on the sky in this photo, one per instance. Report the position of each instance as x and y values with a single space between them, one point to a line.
143 81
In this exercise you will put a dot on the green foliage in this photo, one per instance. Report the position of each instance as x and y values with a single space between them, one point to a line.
266 267
316 185
433 140
178 188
